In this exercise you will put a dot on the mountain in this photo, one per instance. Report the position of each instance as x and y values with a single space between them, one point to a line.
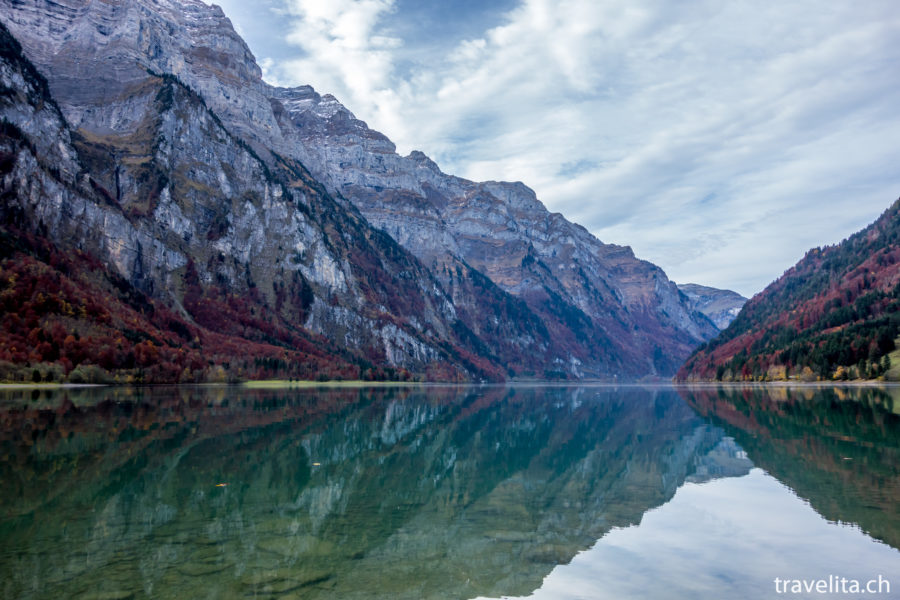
721 306
273 214
203 241
833 315
594 296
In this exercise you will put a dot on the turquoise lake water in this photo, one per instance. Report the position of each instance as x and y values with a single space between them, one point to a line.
448 492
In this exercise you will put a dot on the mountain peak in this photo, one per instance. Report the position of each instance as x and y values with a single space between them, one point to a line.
421 159
721 306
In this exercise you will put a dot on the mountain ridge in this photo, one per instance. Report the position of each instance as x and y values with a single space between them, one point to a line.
508 283
49 193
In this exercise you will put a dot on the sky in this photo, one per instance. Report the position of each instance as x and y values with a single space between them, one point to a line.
719 139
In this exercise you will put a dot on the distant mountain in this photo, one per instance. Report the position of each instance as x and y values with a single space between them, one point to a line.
721 306
271 214
834 315
606 307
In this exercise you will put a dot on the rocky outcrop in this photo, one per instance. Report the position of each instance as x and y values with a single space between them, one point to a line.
499 280
721 306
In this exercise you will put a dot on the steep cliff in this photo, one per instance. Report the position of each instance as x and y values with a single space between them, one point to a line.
610 308
182 212
172 120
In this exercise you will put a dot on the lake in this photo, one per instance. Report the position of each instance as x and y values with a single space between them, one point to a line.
558 492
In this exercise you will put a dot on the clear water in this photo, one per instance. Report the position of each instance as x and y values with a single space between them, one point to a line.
446 492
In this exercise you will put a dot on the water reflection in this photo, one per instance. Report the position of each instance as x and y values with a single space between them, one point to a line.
838 448
439 492
443 492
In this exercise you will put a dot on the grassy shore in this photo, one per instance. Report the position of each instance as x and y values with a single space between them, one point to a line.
893 374
49 386
282 384
265 384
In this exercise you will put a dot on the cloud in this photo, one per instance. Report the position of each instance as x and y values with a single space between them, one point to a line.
720 140
343 52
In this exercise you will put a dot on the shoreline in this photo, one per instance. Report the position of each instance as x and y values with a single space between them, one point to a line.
53 386
279 384
276 384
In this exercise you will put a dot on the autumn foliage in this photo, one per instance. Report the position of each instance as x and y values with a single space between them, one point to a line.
834 315
65 317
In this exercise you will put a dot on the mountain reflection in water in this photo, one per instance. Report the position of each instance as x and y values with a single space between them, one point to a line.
838 448
434 492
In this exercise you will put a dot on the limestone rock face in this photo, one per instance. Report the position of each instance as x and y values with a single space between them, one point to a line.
508 283
176 199
96 54
612 309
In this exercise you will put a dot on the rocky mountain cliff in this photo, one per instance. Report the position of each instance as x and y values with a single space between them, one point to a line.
721 306
597 298
202 180
184 213
833 315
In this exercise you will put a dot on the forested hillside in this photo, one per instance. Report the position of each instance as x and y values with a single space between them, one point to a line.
834 315
66 318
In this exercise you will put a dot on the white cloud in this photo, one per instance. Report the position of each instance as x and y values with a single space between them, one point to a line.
720 140
343 53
